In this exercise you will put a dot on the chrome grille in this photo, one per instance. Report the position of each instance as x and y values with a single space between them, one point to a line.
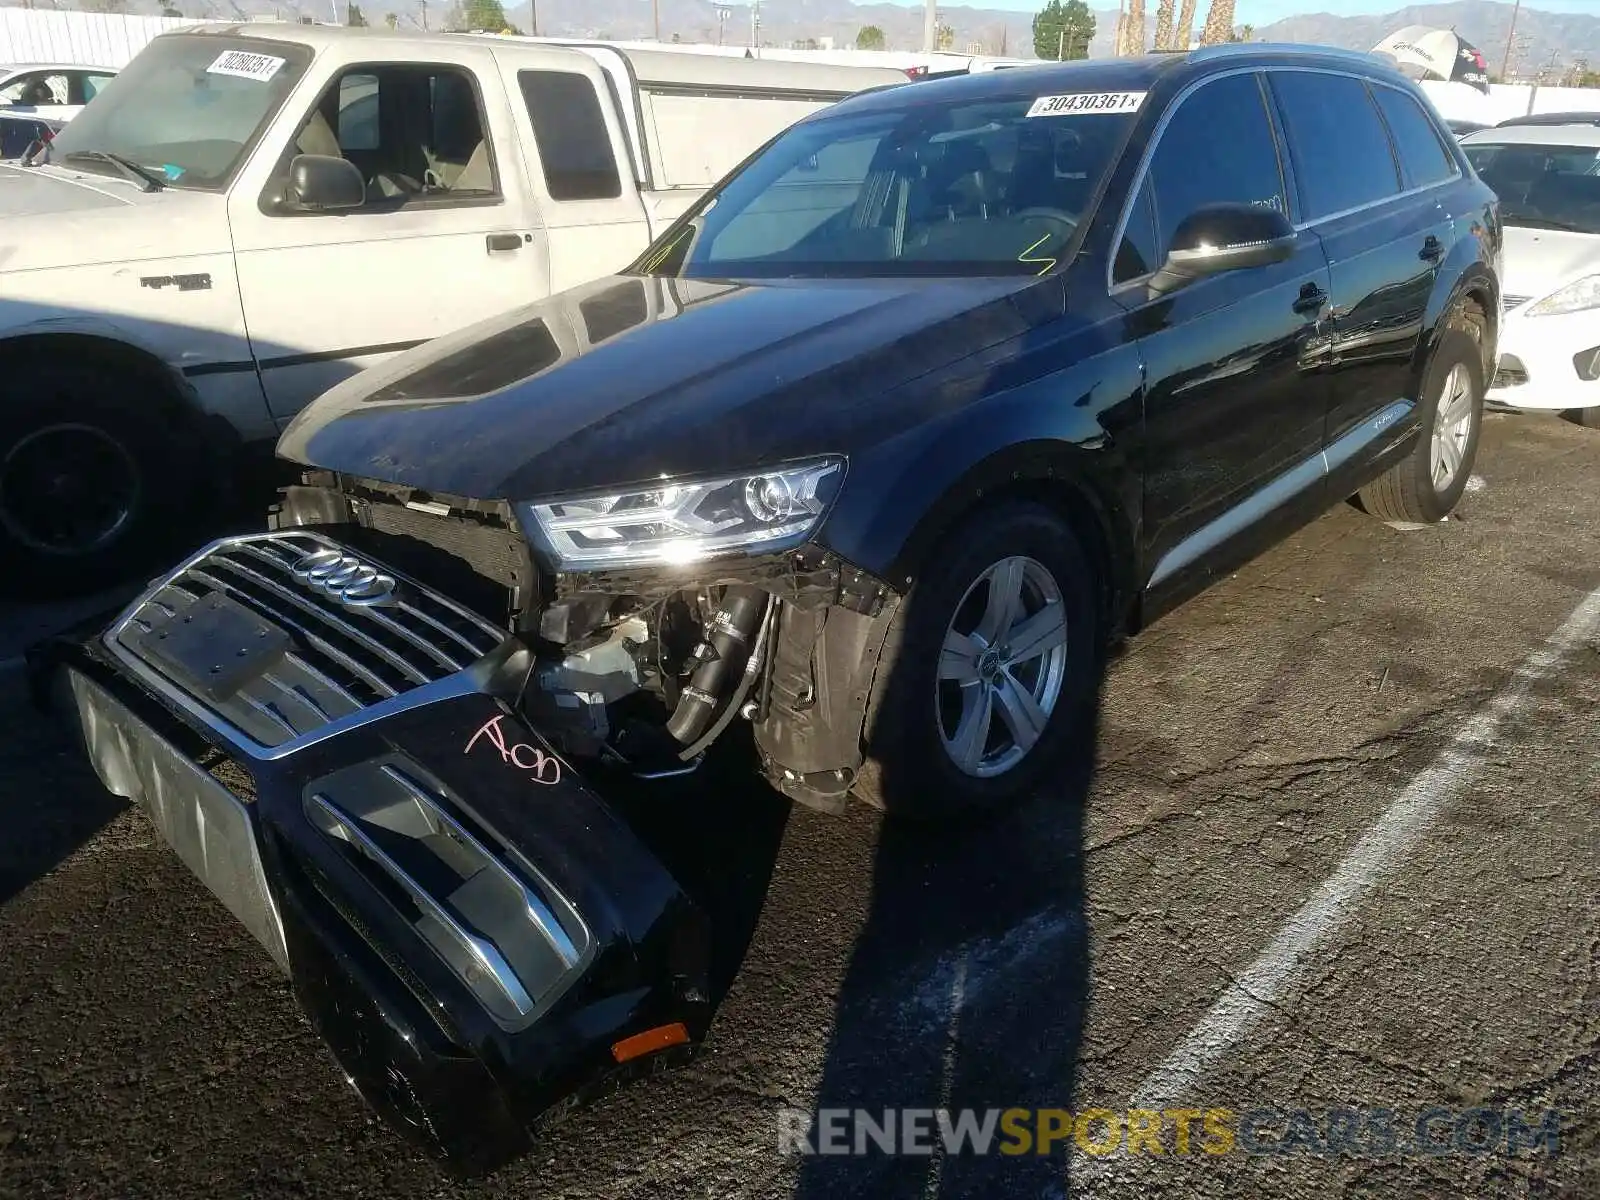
335 658
510 936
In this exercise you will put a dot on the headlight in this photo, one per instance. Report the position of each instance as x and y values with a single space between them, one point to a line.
685 522
1575 297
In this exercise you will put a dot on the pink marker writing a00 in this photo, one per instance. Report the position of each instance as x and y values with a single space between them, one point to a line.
541 767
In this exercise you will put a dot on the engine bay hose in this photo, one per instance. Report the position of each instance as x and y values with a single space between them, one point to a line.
722 655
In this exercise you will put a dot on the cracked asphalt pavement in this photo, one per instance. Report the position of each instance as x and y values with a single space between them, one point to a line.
1162 917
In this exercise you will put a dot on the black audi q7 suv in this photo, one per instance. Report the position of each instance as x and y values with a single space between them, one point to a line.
874 449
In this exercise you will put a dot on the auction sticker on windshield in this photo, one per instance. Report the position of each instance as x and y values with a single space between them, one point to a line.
242 64
1086 102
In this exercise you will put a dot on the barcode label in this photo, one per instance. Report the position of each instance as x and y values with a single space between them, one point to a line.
244 65
1086 102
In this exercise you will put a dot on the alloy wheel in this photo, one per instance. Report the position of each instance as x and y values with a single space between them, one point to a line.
1001 667
1452 427
67 489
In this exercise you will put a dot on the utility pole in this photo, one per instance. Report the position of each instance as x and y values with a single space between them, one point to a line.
424 5
930 25
655 16
1510 36
533 18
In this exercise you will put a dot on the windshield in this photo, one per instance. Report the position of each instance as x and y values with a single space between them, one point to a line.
1543 187
185 109
976 189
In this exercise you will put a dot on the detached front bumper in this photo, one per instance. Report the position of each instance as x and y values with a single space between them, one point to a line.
475 933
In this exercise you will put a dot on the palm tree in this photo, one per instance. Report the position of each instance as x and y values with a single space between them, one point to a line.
1184 33
1133 32
1164 26
1219 23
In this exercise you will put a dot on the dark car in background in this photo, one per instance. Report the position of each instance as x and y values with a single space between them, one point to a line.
19 134
876 449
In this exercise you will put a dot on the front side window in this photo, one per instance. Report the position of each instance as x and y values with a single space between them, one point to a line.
35 89
982 188
185 109
416 133
1542 186
1240 168
1425 159
1340 149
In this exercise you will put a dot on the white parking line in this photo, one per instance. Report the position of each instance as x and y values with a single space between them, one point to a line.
1265 982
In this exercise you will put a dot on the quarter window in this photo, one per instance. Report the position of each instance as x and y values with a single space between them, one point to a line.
1192 166
570 131
1421 151
1337 141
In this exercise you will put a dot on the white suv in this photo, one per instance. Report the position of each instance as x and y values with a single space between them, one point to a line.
1546 170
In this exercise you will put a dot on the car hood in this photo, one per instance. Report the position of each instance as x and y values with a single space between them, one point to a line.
54 217
633 378
1538 261
28 191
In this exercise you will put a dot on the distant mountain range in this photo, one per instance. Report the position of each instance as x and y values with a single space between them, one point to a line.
1544 39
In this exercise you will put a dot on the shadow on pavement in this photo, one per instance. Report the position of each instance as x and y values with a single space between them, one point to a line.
997 909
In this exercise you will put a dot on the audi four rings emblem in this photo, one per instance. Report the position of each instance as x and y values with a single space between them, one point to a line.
344 578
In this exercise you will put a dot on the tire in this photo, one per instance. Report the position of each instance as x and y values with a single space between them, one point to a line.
88 489
1413 490
915 732
1589 418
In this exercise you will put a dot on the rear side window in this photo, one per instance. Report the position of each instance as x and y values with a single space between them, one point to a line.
569 129
1340 150
1241 167
1422 154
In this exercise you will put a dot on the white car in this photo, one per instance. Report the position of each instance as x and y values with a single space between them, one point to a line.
56 92
1546 170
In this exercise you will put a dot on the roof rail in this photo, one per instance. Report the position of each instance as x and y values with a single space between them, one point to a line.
1571 118
1228 49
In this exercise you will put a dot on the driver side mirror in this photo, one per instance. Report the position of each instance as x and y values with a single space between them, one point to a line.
323 183
1223 237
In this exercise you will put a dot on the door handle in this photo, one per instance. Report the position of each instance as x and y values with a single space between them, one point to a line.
1432 249
1310 300
503 241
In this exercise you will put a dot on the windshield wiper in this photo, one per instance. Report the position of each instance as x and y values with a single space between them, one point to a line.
147 180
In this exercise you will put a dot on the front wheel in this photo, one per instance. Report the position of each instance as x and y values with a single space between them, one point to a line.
988 670
1427 484
87 480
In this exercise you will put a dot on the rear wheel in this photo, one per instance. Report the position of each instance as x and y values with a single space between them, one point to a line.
987 672
1427 484
87 488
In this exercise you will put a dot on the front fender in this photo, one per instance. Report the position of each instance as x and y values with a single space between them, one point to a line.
1069 432
89 325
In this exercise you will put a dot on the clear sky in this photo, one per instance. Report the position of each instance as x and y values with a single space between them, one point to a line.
1264 12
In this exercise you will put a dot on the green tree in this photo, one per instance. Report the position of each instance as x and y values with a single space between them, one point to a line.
944 37
1063 29
871 38
1243 34
169 10
488 15
354 16
392 20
